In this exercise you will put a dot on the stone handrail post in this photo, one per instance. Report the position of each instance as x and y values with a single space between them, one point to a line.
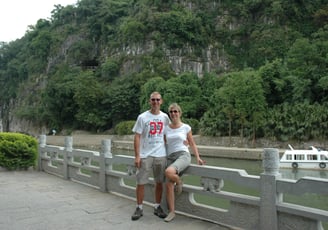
105 153
269 197
67 155
42 141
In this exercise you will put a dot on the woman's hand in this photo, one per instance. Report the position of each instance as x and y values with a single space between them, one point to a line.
200 161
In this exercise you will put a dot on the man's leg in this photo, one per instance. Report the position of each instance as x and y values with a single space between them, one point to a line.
159 165
158 192
142 179
140 193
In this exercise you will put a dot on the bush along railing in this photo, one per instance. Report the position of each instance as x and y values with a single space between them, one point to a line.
17 151
264 210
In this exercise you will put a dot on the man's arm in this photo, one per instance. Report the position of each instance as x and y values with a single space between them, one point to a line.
137 161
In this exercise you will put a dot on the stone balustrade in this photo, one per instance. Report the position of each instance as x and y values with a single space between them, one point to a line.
267 210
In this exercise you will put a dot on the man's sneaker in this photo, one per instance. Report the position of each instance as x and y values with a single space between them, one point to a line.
137 214
159 212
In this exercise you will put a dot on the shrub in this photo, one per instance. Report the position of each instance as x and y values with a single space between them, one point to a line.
17 151
124 128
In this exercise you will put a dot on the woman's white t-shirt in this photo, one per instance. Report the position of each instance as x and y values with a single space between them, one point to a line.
151 127
175 138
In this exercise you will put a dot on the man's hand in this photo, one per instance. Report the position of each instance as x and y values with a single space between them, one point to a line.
137 162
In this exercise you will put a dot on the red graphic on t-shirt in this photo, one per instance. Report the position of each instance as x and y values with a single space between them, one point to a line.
156 127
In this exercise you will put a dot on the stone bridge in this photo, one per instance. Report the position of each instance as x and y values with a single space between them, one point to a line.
114 174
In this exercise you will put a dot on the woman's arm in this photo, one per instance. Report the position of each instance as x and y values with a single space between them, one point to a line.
194 148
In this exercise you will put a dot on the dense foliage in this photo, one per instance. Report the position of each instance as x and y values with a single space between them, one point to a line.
93 65
17 151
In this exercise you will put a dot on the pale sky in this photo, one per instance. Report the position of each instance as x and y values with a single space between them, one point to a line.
17 15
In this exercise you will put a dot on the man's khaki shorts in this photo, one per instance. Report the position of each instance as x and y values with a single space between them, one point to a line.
156 165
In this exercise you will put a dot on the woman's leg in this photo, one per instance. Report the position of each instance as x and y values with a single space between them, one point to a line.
170 195
172 178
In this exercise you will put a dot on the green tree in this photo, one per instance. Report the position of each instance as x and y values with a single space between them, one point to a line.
124 100
57 100
320 39
132 31
301 62
89 95
300 122
208 84
241 100
184 90
275 83
271 43
321 16
39 47
110 69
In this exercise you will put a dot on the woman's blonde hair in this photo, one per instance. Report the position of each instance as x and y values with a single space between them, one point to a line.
175 105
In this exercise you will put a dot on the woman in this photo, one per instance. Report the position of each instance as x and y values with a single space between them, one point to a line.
177 135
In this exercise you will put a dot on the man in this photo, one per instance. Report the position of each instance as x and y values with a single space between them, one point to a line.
150 154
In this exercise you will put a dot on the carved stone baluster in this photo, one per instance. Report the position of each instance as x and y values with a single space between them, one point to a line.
211 184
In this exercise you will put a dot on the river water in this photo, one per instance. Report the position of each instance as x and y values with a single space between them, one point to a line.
253 167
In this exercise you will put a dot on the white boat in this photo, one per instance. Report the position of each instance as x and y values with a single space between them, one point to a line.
314 158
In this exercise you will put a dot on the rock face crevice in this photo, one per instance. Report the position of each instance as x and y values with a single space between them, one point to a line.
187 59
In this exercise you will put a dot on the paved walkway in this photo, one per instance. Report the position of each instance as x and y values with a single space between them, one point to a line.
32 200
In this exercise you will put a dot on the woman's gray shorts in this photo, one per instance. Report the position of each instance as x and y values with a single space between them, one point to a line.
179 160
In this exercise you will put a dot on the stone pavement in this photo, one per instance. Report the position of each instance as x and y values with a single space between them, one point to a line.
32 200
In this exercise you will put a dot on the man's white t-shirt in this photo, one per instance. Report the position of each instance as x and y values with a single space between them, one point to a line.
176 137
151 127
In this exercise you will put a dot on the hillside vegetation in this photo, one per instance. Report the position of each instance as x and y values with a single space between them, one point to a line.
253 68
